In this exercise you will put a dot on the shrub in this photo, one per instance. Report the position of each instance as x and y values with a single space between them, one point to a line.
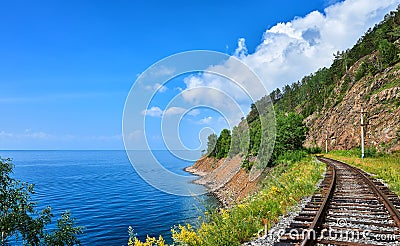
292 156
247 165
361 71
314 150
370 152
150 241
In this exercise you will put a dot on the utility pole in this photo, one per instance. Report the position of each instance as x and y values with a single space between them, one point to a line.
362 133
326 141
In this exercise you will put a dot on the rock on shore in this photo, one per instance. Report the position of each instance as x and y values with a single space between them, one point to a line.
226 179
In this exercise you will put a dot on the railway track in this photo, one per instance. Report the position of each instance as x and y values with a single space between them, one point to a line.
350 208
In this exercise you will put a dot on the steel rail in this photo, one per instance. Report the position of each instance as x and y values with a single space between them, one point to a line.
384 199
311 233
317 222
393 211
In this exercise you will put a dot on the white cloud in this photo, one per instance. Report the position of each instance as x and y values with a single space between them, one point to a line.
162 70
157 112
225 88
157 71
241 50
153 111
206 120
297 48
27 134
178 88
174 110
215 90
160 88
37 135
194 112
157 87
6 134
134 135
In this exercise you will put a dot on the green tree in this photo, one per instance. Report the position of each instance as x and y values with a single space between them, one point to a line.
290 134
235 141
66 232
240 139
20 219
255 136
223 144
387 53
253 114
211 145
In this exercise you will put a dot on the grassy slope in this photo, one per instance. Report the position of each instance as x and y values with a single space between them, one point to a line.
284 186
385 167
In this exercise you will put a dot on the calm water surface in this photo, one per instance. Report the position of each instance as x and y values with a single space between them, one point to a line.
105 194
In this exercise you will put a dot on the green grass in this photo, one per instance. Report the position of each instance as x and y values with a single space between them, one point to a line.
382 166
283 188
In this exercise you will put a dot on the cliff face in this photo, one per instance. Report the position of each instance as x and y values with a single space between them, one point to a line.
378 95
226 179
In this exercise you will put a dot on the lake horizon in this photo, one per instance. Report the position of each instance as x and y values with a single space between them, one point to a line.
105 194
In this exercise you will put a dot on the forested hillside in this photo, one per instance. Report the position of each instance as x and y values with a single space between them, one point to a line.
316 92
306 111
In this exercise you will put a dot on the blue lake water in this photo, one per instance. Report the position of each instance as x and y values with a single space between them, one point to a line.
105 194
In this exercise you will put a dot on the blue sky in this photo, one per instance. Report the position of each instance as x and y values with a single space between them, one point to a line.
66 67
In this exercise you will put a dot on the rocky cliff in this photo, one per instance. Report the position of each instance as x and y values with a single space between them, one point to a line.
226 179
378 97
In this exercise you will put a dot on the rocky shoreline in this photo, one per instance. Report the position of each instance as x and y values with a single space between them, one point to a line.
223 201
225 179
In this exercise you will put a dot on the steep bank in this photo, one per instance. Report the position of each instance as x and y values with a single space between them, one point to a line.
226 179
364 78
377 96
